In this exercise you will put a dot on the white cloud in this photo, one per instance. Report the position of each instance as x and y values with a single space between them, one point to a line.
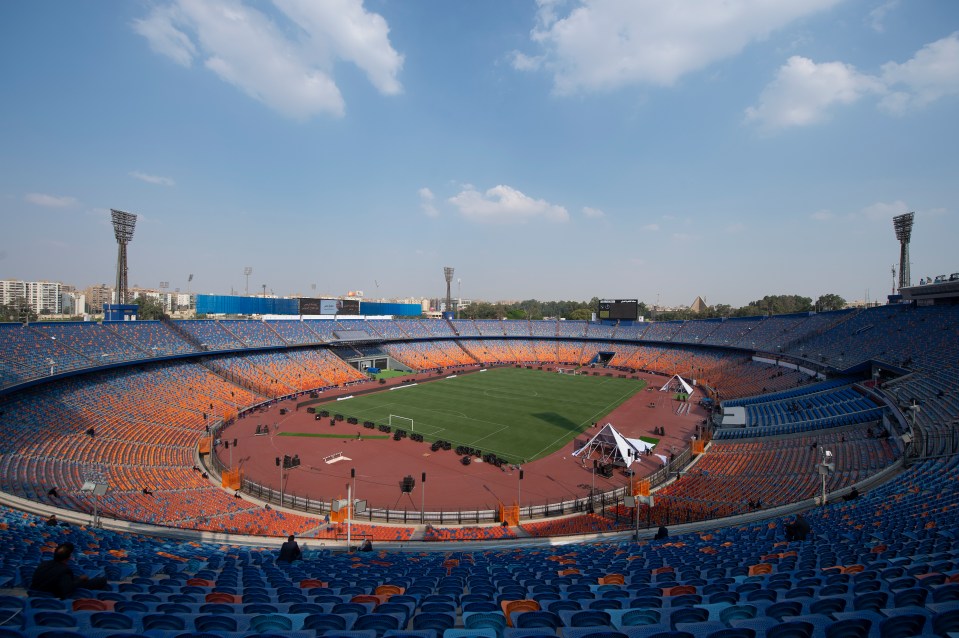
593 213
503 204
152 179
606 44
289 70
352 33
523 62
164 37
803 92
650 227
50 201
684 237
426 202
822 215
932 73
877 15
882 211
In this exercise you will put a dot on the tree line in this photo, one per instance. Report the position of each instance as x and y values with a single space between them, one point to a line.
534 309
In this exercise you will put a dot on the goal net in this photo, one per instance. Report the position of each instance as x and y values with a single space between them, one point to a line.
566 370
397 421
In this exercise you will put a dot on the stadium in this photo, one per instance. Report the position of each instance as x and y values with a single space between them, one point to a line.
181 453
191 452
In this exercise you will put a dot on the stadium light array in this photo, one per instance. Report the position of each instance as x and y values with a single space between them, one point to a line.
123 225
902 224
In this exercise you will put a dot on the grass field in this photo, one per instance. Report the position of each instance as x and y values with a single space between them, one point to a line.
389 374
515 413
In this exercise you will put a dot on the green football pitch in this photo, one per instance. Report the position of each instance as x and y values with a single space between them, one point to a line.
518 414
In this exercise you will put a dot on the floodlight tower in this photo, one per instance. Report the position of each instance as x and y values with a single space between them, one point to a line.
123 225
247 271
448 273
903 226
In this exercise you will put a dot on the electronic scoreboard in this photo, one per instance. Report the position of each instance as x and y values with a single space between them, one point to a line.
618 309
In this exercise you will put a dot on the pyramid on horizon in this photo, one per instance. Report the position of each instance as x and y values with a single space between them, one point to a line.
699 305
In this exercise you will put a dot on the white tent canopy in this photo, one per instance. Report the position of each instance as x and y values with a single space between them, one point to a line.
614 447
677 380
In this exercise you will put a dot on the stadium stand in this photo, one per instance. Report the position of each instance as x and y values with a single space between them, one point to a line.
877 569
253 333
96 341
211 334
544 328
662 330
517 328
323 328
420 355
30 354
490 327
571 329
772 333
883 564
465 328
171 403
154 337
734 332
294 332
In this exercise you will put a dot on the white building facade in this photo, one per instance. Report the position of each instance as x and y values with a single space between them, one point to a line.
43 297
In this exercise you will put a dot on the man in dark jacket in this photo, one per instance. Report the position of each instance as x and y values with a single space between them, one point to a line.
798 529
55 576
289 551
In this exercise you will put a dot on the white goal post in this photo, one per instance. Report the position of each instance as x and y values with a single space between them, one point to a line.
396 421
566 370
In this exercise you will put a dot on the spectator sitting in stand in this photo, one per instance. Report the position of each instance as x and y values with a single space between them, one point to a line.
55 577
798 529
289 551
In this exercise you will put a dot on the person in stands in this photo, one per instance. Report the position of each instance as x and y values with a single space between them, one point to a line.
797 530
55 576
289 551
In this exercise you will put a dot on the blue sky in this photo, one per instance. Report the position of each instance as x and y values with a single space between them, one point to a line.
551 149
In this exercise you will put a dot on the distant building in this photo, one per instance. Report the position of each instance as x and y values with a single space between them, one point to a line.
698 305
97 296
73 303
43 297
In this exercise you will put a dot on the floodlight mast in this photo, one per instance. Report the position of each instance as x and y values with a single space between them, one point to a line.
247 271
448 273
123 225
903 227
